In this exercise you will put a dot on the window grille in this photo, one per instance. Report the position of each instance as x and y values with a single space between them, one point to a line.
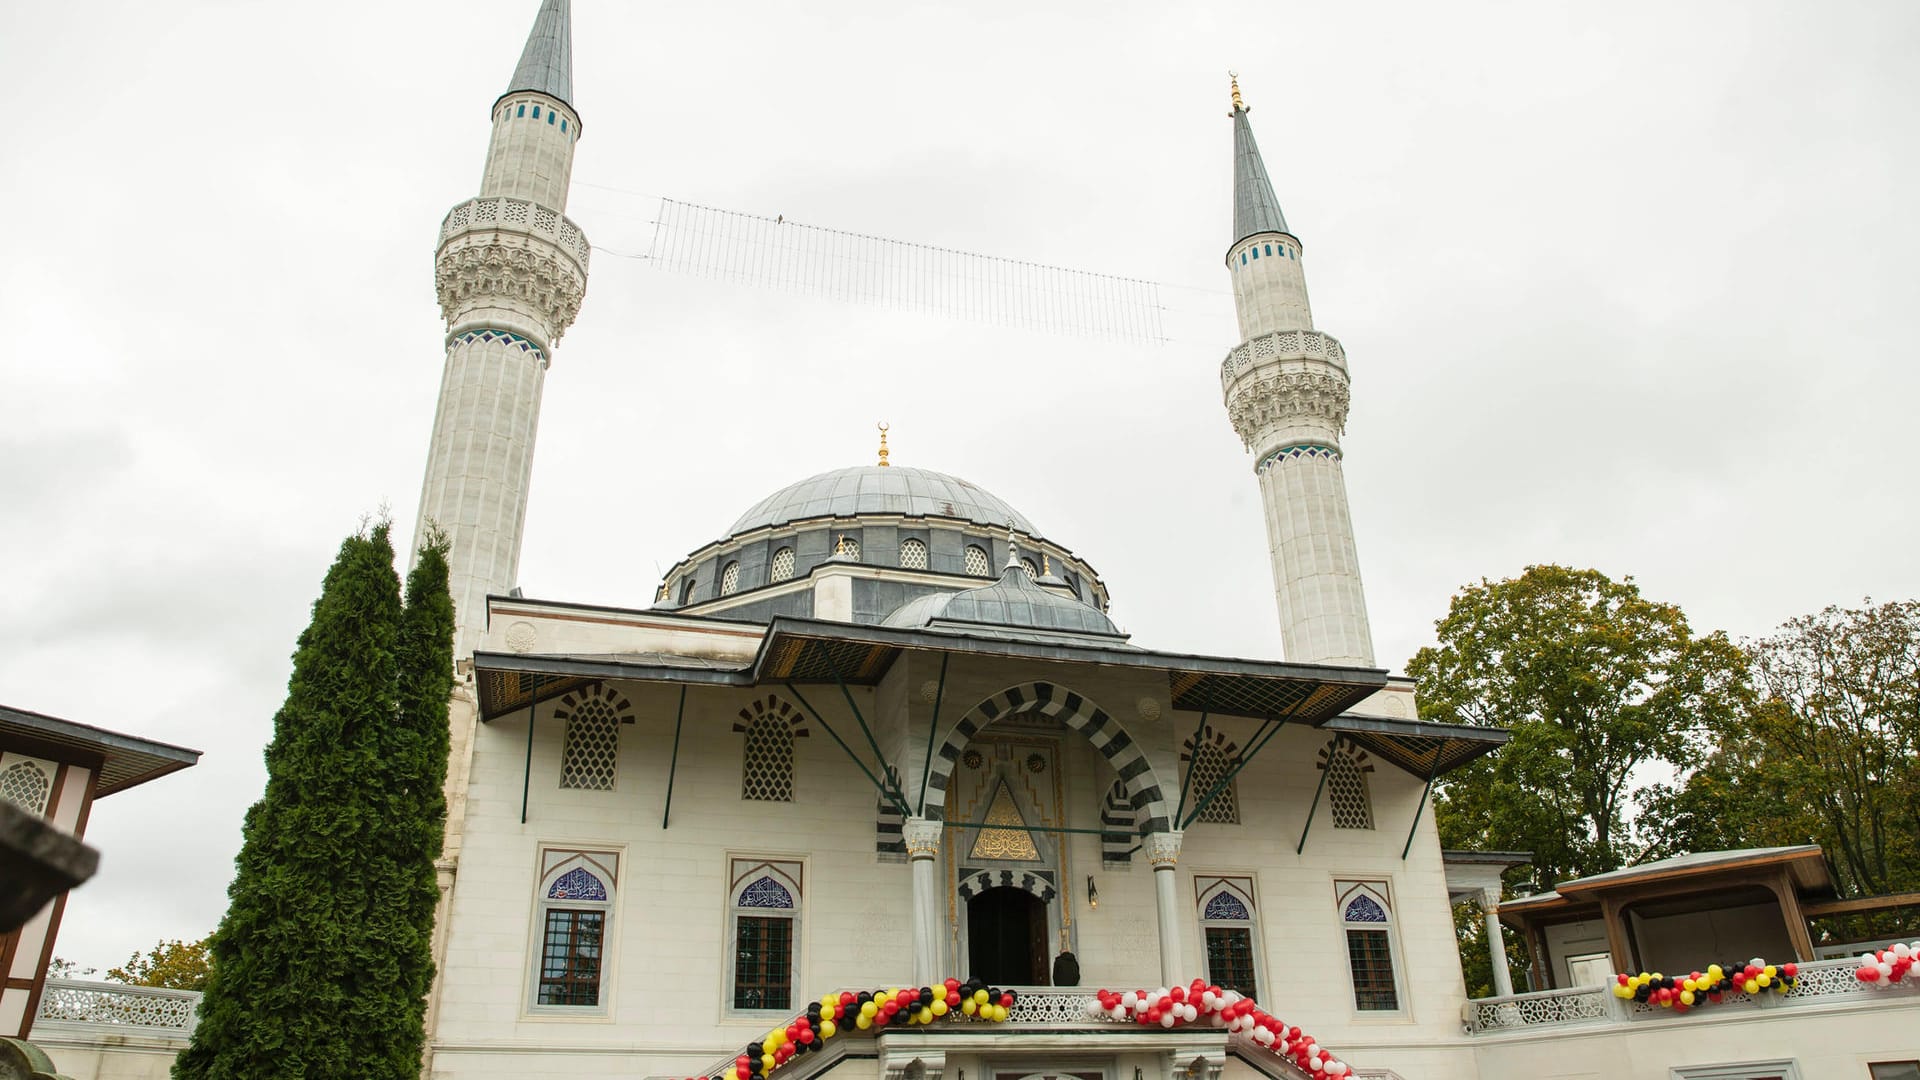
26 785
570 957
913 554
730 579
1032 570
1347 795
592 750
686 590
782 566
1207 766
978 565
763 963
767 772
848 546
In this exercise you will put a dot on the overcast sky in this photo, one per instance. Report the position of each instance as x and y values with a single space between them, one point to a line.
1630 287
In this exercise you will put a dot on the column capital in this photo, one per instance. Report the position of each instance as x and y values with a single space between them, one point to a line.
1163 848
1490 898
922 836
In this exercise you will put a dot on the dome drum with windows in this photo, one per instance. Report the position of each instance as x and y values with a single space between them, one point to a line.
861 544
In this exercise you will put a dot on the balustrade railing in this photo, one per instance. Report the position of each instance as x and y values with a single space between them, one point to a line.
518 215
1547 1008
143 1010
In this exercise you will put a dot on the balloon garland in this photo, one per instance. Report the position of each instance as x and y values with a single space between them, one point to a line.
864 1011
1171 1007
1888 966
1683 992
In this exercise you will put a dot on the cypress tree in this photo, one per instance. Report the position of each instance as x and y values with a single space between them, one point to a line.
322 962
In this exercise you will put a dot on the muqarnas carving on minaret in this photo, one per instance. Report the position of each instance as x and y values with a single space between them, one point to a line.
511 270
1286 393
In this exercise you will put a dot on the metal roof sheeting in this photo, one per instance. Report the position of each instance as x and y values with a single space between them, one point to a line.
881 489
546 64
1255 209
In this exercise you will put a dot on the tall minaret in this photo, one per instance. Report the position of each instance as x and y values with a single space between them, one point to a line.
1286 394
510 270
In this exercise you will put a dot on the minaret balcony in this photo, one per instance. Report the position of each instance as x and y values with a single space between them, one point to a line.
1281 345
499 213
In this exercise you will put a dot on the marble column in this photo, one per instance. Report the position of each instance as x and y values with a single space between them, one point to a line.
1496 942
1163 852
922 837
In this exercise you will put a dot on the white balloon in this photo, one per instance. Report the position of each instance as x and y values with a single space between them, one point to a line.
1313 1049
1166 1020
1208 1001
1901 951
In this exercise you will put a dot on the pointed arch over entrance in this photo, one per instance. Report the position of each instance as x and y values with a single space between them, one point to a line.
1102 730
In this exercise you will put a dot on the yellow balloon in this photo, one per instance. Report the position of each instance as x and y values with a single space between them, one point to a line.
863 1021
926 1015
1770 971
1622 990
939 1006
867 1009
1765 980
1657 975
999 1014
767 1062
770 1044
1714 971
1750 986
980 996
827 1029
969 1007
1686 997
893 993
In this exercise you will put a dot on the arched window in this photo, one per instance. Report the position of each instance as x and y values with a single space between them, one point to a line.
1366 916
913 554
847 547
978 565
575 906
1033 572
730 579
1207 764
1347 767
765 904
26 784
782 566
1227 922
686 589
766 761
590 754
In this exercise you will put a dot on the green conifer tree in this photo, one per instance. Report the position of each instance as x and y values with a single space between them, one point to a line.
322 962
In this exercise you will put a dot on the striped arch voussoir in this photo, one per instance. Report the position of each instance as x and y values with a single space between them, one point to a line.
606 695
981 880
1101 729
1340 744
1219 741
774 708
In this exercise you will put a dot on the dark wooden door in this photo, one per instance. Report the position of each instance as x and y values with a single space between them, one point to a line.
1007 937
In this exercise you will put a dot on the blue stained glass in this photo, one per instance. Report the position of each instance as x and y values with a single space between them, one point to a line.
766 893
563 124
1225 905
550 115
577 884
522 112
1365 909
536 112
1269 249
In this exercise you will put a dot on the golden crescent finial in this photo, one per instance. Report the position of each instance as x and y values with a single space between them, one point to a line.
884 428
1239 106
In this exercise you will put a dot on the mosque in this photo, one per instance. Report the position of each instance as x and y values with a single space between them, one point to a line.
883 735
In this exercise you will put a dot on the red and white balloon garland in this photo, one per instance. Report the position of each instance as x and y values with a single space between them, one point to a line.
1172 1007
1888 966
865 1011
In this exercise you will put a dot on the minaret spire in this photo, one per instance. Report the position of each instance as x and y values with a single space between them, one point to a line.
511 272
1286 392
546 64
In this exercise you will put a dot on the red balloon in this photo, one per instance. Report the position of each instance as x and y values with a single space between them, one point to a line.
880 1018
1006 999
952 984
953 999
1178 994
743 1060
793 1031
806 1036
1790 970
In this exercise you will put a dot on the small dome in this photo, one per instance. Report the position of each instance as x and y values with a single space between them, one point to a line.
877 489
1013 601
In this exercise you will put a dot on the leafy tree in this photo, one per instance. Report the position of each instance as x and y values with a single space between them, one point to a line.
58 968
322 962
180 965
1596 683
1829 754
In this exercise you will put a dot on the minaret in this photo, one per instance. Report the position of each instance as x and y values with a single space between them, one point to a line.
510 271
1286 394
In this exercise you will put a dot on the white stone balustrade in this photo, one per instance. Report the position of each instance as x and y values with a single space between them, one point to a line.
98 1006
518 215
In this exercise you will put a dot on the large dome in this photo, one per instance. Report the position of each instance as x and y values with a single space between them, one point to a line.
883 489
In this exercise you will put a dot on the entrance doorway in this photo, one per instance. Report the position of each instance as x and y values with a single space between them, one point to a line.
1007 937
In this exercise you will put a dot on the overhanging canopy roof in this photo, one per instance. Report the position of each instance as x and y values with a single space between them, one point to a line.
816 651
1420 748
123 761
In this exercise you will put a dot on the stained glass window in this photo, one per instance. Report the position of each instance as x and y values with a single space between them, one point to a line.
577 884
1225 905
1365 909
1370 954
570 957
766 893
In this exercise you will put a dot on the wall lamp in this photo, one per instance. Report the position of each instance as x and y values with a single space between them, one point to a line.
1093 893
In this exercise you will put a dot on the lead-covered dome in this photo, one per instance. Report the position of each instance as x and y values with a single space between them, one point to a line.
883 489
